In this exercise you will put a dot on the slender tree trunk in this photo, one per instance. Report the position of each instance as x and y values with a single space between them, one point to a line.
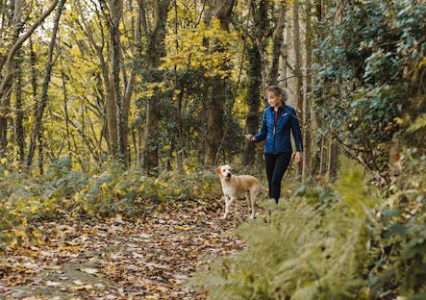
322 157
318 159
40 147
139 150
114 107
203 115
333 147
307 138
277 43
297 68
12 69
4 111
66 114
181 87
332 158
38 114
137 64
179 124
19 120
285 53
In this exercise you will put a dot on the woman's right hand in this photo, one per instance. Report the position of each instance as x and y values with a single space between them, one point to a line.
250 137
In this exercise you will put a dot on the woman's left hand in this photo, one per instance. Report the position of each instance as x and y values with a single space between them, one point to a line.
298 157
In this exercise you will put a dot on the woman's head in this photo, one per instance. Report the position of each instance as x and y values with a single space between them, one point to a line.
276 96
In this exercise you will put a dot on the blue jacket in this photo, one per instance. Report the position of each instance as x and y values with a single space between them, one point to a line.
278 135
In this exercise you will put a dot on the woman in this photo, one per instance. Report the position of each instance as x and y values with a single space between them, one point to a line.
278 120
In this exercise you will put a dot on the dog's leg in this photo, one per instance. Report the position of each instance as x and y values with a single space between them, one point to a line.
253 195
227 202
248 202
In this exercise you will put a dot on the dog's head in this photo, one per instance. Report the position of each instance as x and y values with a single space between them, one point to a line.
224 171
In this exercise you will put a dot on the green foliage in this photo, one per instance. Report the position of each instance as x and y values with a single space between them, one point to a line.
309 251
334 242
399 262
371 78
62 192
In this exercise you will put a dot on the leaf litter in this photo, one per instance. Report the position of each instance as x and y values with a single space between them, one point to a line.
147 258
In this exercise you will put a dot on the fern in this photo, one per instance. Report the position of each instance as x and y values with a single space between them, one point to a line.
308 252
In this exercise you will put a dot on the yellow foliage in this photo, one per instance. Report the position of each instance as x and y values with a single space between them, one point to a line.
207 46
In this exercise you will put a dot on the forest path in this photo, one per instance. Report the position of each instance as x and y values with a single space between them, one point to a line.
150 258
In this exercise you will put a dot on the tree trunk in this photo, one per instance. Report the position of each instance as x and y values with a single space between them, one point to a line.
40 147
255 50
12 69
221 10
319 157
66 115
156 50
333 147
19 120
253 101
215 114
38 113
277 43
307 138
285 53
128 92
114 103
297 69
180 86
332 158
180 134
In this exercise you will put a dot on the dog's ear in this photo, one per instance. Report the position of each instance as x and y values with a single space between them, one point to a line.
217 170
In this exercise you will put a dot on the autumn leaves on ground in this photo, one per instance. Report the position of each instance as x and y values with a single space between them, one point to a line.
145 258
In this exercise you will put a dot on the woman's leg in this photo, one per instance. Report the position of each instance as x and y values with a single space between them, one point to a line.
281 164
270 166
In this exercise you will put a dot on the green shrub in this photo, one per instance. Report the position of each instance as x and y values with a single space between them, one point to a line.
62 192
309 251
335 242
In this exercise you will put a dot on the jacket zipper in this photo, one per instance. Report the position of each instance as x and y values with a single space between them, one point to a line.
275 126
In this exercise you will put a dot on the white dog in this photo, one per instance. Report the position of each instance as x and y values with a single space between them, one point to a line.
235 187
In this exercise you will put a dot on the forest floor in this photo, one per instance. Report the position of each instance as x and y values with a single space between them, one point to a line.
148 258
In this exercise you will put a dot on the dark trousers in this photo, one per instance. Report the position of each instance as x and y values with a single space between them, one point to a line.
276 165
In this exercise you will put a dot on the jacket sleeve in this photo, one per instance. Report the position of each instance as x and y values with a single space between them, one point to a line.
297 132
262 134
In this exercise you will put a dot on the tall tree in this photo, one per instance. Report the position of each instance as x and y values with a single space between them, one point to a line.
39 111
155 51
319 157
307 138
19 119
257 38
333 146
298 67
277 41
113 106
217 85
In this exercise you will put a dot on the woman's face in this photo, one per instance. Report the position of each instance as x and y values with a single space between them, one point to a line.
273 100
